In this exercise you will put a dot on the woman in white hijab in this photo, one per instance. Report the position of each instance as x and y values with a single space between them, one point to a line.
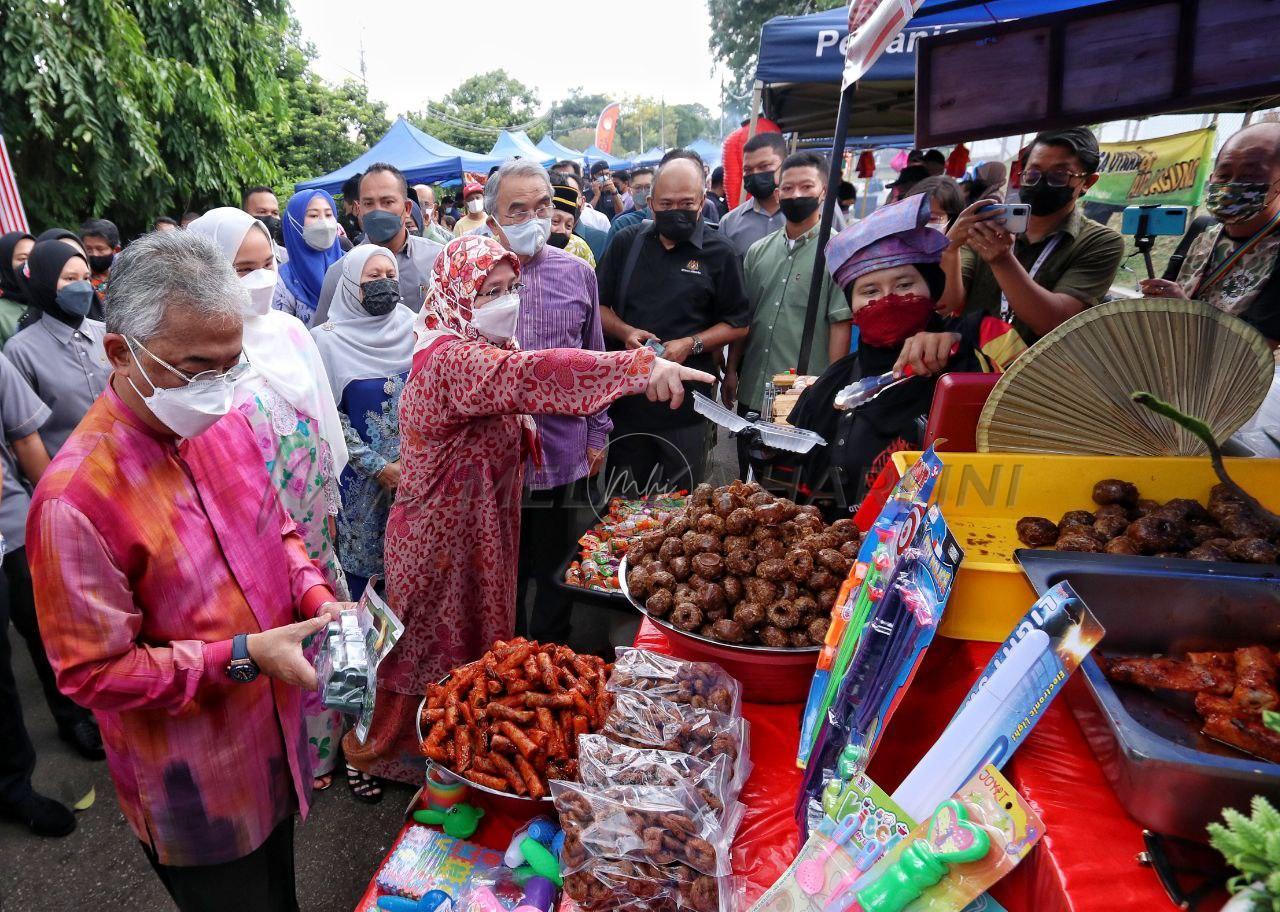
289 404
366 347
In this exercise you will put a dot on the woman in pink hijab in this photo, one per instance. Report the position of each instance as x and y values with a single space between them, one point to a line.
454 532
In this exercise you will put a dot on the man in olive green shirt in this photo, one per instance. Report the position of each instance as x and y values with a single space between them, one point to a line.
1060 265
778 269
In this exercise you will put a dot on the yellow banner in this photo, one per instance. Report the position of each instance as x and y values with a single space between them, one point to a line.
1165 171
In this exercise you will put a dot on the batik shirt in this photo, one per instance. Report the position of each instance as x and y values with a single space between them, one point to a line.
148 557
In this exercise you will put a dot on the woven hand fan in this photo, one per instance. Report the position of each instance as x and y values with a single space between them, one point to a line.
1069 393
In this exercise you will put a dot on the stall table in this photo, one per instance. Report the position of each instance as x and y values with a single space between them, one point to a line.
1086 861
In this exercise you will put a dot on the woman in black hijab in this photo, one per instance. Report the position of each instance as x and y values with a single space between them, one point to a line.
72 240
15 247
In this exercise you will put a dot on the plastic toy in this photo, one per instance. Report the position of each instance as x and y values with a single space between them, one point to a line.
812 873
460 821
442 793
541 828
432 901
952 839
539 894
539 858
483 900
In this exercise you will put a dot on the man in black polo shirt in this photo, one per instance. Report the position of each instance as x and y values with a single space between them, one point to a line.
671 281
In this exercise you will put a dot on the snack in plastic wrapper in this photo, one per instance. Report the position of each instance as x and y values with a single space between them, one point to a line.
660 825
639 720
702 685
602 762
620 885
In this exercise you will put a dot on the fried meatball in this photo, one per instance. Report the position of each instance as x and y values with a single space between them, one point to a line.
826 599
702 494
739 522
822 580
732 543
773 569
1253 551
806 605
850 550
711 599
729 631
1074 541
1215 549
787 589
769 514
687 616
833 560
671 547
772 636
798 639
1153 533
680 568
684 593
743 563
708 566
1110 526
1111 510
661 579
710 523
725 503
1115 491
845 530
652 541
1120 545
660 603
817 628
688 543
1245 526
1185 509
763 533
637 581
1203 532
749 615
760 591
783 614
759 498
733 589
809 524
1144 506
770 549
800 563
678 525
1037 531
1076 517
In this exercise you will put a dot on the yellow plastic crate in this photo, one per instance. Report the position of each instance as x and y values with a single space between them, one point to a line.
983 495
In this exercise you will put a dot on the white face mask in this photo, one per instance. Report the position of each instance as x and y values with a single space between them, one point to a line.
496 321
527 238
475 206
261 285
192 409
321 234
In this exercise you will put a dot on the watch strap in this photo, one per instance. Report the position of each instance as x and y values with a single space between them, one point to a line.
240 647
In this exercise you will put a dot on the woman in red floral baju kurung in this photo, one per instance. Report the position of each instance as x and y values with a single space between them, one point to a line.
453 535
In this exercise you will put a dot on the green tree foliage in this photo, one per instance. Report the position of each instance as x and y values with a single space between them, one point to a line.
640 127
575 111
131 108
735 31
323 126
493 100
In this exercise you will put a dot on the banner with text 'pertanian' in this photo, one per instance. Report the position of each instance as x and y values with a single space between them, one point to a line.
1164 171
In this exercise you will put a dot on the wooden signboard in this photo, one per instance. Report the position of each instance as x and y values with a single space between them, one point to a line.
1127 58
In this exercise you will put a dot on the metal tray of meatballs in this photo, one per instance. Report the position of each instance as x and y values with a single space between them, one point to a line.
743 570
1172 764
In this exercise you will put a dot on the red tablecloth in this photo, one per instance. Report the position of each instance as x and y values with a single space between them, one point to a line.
1086 860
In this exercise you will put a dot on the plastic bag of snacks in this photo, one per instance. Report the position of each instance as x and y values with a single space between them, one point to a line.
702 685
640 720
602 762
620 885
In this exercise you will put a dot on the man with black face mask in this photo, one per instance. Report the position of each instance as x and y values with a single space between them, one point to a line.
676 285
261 202
101 240
759 216
1060 265
384 203
778 270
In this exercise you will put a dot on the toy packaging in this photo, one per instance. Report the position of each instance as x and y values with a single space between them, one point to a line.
347 662
1008 698
428 860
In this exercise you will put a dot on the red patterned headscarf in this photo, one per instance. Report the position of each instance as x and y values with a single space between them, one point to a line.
460 272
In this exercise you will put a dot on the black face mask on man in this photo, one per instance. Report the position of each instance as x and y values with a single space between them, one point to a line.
1045 199
761 186
272 223
676 224
558 239
798 208
381 226
100 264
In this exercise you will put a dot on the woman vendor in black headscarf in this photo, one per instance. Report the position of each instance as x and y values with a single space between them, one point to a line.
15 247
887 265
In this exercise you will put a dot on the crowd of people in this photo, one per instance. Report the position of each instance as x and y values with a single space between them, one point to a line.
218 436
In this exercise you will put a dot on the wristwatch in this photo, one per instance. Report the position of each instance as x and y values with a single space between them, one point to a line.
697 345
242 669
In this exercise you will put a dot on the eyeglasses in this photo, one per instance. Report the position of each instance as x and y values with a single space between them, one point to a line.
488 296
231 375
1060 177
519 218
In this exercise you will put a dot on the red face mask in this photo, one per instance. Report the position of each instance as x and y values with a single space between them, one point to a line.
893 319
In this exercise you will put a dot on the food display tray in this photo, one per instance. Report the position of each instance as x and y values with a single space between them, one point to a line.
983 495
1167 775
597 597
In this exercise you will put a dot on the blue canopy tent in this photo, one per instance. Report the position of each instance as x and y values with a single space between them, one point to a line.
517 144
593 155
561 153
422 158
711 153
802 62
649 159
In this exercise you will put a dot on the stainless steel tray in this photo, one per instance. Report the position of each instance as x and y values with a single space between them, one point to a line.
1167 775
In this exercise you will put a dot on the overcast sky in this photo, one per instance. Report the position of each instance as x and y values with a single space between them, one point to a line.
420 49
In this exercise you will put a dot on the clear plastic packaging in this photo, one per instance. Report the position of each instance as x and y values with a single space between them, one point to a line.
602 762
702 685
660 825
342 667
640 720
620 885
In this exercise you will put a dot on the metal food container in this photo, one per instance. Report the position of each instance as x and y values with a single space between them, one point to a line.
768 674
1167 775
